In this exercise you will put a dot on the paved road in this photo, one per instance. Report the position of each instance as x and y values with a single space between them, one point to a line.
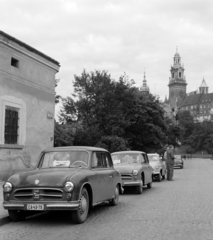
175 210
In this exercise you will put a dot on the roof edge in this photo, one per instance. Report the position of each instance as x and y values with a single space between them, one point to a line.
28 47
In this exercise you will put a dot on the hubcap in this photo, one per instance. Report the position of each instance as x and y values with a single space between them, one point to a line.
82 204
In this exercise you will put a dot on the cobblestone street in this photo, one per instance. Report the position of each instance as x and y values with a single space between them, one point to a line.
179 209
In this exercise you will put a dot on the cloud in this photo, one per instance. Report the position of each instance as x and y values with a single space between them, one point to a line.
117 36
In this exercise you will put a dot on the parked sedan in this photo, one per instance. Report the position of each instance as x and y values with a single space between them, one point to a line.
65 178
178 161
134 169
159 167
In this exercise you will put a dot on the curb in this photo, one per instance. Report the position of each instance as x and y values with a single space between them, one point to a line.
5 220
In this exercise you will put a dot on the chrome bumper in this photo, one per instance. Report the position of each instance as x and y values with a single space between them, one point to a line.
132 183
47 206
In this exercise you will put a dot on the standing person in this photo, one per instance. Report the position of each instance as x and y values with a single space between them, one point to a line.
170 162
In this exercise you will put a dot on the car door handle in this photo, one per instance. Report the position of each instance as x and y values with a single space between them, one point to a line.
110 176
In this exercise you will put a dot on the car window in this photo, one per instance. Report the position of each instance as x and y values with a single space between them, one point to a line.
64 159
108 160
129 158
146 158
143 158
153 158
99 160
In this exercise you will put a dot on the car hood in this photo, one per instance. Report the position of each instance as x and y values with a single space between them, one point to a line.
46 177
127 168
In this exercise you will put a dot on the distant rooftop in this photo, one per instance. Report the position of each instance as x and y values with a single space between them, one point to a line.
31 49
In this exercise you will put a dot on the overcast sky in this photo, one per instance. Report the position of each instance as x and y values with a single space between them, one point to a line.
118 36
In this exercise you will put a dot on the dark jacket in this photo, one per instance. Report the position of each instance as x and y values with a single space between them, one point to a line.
170 156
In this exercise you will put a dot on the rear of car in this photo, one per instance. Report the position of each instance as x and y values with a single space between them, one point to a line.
159 168
178 161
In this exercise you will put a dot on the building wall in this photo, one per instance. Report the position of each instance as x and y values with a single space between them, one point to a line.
31 88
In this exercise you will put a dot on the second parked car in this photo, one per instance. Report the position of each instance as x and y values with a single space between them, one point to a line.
134 169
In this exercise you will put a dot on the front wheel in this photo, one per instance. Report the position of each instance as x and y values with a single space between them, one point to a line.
114 201
81 214
139 189
17 215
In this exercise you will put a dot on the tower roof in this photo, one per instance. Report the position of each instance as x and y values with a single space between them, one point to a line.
203 84
144 87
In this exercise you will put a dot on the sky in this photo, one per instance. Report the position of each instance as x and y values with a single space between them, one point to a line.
117 36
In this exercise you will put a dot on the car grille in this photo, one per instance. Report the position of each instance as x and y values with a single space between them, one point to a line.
126 176
43 194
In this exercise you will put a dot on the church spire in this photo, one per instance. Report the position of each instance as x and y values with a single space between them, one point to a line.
204 87
144 87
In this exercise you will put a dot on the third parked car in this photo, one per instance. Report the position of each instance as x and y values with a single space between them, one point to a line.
159 167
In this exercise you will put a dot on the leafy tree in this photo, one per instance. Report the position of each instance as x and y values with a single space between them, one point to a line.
147 129
57 97
186 123
63 135
109 110
112 143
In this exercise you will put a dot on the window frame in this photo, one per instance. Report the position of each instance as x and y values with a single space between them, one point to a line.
9 101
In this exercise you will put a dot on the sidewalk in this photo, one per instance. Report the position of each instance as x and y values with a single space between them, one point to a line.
4 218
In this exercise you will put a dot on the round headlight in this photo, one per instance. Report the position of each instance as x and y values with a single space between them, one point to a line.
68 187
156 167
135 172
7 187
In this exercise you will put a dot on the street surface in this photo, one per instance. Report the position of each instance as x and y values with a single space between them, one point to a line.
181 209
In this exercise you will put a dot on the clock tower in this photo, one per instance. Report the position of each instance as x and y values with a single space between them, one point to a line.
177 83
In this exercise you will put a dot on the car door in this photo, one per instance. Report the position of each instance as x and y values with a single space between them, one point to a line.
148 173
102 177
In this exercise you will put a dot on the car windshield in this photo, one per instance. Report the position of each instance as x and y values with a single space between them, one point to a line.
126 158
64 159
153 158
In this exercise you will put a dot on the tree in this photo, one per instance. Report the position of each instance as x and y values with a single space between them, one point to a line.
107 109
112 143
63 135
186 123
57 97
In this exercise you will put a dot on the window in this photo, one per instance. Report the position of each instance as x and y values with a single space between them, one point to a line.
173 75
12 122
11 125
179 74
142 159
101 160
14 62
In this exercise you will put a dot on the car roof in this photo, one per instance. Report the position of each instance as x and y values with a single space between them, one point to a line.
67 148
122 152
152 154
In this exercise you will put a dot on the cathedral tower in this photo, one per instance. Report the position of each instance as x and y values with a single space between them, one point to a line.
144 88
177 83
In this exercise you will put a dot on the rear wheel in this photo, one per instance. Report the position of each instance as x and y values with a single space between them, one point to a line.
114 201
159 177
81 214
149 185
17 215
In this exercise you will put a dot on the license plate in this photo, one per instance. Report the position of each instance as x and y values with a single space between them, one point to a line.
35 207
